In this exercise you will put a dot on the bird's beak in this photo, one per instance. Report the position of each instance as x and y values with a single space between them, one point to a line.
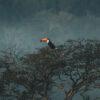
45 39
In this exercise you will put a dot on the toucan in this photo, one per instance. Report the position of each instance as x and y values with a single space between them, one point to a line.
51 45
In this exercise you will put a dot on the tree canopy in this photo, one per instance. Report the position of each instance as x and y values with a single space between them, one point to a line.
72 68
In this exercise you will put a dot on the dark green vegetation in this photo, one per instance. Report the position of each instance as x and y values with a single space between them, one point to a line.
73 68
26 8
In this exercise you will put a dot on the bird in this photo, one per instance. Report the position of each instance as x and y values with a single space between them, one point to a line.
48 41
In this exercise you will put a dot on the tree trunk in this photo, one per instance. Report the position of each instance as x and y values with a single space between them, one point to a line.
69 95
45 98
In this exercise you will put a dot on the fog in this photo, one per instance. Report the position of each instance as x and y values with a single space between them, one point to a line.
25 34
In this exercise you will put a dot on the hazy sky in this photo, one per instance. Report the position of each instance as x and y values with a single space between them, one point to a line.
20 28
27 32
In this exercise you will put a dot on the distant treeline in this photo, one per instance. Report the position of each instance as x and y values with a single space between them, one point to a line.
26 8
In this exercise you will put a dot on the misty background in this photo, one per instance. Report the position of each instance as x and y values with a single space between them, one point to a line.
24 22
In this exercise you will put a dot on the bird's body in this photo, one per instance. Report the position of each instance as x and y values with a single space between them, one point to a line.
50 44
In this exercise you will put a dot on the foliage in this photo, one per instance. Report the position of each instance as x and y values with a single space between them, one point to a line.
72 68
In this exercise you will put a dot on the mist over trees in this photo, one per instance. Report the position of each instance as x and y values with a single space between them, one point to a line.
26 8
72 68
